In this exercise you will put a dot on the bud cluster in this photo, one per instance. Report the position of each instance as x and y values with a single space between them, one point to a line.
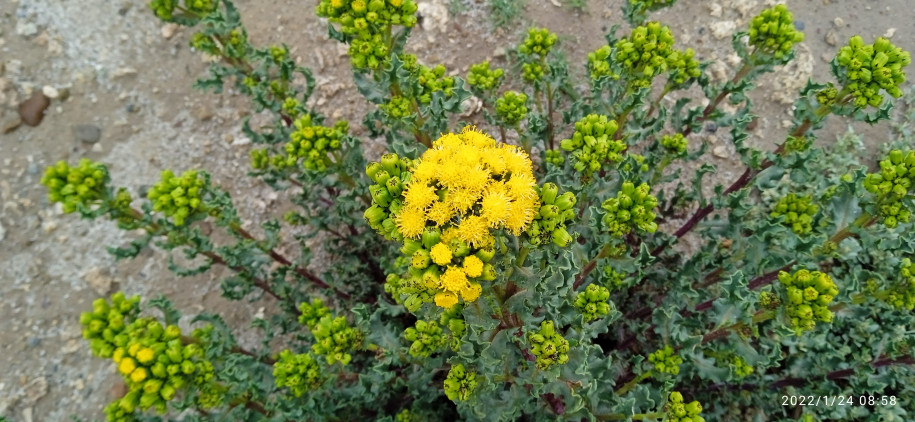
683 67
427 338
549 224
334 338
398 107
539 42
548 346
453 319
636 10
666 361
902 293
866 69
740 366
300 373
511 107
482 78
390 176
593 303
179 197
677 411
631 209
311 144
106 322
798 211
674 144
592 144
645 53
431 80
460 383
772 32
156 364
364 22
533 72
74 186
611 277
808 294
598 65
165 9
891 185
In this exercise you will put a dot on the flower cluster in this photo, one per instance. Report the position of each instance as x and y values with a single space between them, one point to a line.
300 373
398 107
549 224
548 346
592 144
865 69
677 411
593 303
645 53
334 338
598 65
179 197
611 277
312 143
482 78
433 80
156 364
797 143
772 32
390 176
891 185
365 23
427 338
463 187
511 107
808 295
666 361
683 67
533 72
77 186
104 326
539 42
632 208
902 293
740 366
674 144
453 319
798 212
460 383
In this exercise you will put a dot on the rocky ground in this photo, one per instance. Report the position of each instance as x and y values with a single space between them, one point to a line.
114 84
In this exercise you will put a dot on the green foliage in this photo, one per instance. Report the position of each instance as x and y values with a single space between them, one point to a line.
525 281
635 11
504 12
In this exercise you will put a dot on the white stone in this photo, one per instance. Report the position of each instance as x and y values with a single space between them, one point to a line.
890 32
26 29
50 92
720 151
715 9
99 282
723 29
838 22
168 30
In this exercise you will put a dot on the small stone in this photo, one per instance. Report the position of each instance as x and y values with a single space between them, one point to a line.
87 133
50 92
723 29
123 71
35 390
49 226
10 124
32 342
838 22
32 168
799 25
890 32
715 9
826 57
27 415
99 282
831 38
2 232
711 127
168 30
26 29
720 151
499 52
203 113
32 110
131 108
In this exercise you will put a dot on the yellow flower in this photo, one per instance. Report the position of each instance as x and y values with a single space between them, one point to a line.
411 222
419 195
445 299
133 349
473 230
454 280
441 254
496 208
472 292
127 365
146 355
138 375
473 266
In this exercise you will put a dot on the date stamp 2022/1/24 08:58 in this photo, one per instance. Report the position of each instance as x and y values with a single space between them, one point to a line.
838 400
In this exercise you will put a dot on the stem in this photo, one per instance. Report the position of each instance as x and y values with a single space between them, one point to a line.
657 102
549 108
760 316
633 382
743 72
590 267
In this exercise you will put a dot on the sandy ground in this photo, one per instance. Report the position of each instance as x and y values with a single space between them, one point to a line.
113 66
